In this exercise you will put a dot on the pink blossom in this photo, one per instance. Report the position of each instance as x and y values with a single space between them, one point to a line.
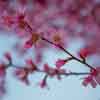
51 71
84 52
43 83
8 56
60 63
22 75
28 44
93 79
89 80
2 70
31 65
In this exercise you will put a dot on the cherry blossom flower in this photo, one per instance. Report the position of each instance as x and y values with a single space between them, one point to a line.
7 55
89 80
96 74
8 20
28 44
31 65
84 52
60 63
2 79
53 71
56 39
43 83
35 37
93 79
20 21
31 41
22 75
2 87
2 70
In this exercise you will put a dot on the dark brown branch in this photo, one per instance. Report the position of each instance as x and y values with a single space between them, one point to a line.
65 74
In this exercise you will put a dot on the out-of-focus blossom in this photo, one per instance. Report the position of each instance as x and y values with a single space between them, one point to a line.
7 55
53 71
43 83
32 40
22 75
31 65
2 70
60 63
84 52
93 79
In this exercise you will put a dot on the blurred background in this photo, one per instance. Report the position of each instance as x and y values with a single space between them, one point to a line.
74 24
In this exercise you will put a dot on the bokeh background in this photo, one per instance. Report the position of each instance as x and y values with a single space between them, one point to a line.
77 22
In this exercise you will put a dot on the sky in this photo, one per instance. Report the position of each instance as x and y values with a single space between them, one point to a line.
69 88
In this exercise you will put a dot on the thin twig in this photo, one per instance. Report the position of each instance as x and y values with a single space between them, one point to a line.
42 71
66 51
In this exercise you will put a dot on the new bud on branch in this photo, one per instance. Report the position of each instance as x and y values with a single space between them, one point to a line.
34 38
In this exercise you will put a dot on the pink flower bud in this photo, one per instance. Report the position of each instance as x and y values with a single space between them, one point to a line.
31 65
60 63
43 83
28 44
2 70
22 75
8 56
